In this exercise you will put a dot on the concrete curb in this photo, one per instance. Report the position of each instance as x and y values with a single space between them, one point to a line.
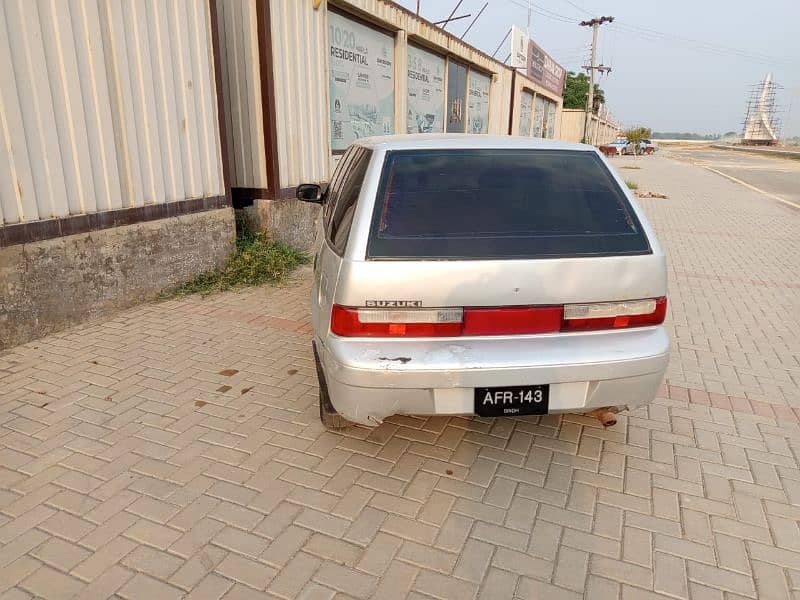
757 150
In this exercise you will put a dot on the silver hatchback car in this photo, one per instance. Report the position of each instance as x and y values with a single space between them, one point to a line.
478 275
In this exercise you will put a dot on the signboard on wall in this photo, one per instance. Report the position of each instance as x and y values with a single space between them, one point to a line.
425 92
478 105
538 64
519 48
525 109
361 81
551 120
544 70
538 117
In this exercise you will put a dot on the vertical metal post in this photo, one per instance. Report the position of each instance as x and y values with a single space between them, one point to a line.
528 29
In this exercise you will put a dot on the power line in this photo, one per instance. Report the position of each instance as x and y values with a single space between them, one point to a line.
580 8
702 46
649 34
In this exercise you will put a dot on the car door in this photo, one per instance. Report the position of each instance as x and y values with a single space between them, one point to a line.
341 199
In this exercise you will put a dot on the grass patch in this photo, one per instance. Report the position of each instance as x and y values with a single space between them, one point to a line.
632 185
629 167
257 260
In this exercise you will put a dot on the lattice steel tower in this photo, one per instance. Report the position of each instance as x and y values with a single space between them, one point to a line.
761 124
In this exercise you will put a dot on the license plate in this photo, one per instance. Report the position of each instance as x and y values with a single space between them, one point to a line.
512 401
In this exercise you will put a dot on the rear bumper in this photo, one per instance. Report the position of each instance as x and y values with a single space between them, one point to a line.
369 380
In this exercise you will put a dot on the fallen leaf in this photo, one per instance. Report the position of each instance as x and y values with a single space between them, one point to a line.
200 403
223 388
449 471
245 390
229 372
292 371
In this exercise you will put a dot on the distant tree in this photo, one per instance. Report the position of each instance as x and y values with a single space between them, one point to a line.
636 134
675 135
576 90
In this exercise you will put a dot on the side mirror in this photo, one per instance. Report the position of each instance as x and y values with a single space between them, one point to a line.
309 192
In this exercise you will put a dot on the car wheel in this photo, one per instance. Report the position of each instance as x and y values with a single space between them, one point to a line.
327 413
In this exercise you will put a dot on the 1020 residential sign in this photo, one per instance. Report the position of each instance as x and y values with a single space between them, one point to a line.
361 81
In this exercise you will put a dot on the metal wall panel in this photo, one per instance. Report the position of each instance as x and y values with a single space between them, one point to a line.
241 77
300 71
105 104
300 47
603 128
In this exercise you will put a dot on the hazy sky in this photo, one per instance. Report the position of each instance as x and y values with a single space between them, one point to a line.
697 83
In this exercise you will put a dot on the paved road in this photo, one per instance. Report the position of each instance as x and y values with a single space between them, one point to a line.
779 176
175 451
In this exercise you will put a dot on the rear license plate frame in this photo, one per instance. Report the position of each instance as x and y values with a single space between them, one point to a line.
512 400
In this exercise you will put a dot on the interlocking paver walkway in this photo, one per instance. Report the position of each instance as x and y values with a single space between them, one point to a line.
175 451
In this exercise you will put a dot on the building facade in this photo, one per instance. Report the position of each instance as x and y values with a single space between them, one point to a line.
112 182
331 72
130 129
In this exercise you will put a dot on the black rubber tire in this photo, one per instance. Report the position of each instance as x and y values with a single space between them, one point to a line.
327 413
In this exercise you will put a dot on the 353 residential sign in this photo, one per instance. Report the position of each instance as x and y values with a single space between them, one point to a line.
361 81
425 92
478 106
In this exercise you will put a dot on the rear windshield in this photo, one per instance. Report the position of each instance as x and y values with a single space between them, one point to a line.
473 204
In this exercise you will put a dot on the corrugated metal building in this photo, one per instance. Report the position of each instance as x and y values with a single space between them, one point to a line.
105 106
128 128
315 101
602 127
108 120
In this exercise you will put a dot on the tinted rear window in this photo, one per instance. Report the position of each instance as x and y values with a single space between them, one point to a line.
472 204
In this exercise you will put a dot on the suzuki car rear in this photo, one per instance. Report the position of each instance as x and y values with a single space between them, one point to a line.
477 275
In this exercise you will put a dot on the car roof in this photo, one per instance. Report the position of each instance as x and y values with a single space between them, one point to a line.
421 141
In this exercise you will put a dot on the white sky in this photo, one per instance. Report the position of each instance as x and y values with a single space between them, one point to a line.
660 81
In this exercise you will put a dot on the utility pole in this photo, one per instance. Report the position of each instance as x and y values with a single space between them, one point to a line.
528 29
594 24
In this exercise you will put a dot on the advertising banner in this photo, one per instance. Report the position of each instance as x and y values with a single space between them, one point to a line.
538 118
538 64
525 109
544 70
478 104
519 48
425 92
361 81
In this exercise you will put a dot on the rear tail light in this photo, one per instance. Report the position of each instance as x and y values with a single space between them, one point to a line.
368 322
508 320
512 320
614 315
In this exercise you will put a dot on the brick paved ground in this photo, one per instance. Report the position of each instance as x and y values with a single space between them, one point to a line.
175 451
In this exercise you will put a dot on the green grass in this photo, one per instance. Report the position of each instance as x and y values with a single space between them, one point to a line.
629 167
632 185
257 260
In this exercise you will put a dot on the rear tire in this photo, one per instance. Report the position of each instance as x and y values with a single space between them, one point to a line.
327 413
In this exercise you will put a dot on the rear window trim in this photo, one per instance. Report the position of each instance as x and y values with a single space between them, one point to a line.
377 211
